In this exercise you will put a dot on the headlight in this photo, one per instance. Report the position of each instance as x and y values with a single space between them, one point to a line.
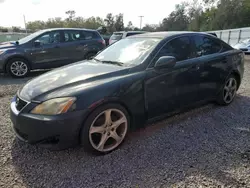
55 106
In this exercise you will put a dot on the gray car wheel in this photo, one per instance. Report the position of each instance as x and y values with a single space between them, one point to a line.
18 68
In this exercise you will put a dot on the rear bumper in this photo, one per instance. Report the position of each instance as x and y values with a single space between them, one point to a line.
60 131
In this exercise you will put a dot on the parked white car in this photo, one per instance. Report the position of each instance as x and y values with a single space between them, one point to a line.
123 34
243 45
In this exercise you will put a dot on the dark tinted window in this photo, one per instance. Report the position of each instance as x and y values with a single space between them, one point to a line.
180 48
50 38
79 35
73 36
206 46
89 35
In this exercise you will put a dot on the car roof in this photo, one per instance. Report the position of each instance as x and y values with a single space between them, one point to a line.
77 29
165 34
129 32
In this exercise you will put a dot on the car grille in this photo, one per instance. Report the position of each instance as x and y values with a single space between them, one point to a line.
20 104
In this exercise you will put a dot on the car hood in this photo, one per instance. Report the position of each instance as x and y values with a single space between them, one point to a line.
77 73
6 45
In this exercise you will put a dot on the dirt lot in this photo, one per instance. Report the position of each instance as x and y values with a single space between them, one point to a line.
205 147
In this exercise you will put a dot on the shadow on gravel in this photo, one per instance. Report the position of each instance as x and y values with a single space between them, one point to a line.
8 80
208 143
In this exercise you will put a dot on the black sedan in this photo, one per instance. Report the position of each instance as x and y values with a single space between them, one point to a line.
135 80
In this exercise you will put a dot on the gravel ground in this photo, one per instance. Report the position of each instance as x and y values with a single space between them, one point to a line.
205 147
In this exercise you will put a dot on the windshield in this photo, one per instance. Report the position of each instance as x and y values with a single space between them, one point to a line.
116 36
30 37
128 51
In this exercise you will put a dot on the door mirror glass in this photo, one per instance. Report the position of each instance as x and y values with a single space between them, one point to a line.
165 62
37 43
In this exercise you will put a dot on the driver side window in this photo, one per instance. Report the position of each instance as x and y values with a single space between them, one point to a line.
50 38
180 48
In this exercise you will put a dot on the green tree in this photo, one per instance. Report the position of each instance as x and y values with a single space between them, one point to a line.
129 26
177 20
110 23
119 25
36 25
16 29
150 27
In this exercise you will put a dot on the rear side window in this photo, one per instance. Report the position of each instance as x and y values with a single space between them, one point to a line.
73 36
206 46
80 35
90 35
179 48
116 36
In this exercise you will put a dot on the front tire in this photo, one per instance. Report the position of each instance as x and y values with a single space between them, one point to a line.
105 129
18 68
228 93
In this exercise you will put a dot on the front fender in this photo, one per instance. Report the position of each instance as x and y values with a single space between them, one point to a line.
127 91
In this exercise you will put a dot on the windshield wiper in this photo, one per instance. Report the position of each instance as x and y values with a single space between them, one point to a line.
109 62
113 62
97 59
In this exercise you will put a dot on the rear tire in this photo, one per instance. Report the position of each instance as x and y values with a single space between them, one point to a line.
18 68
105 129
228 92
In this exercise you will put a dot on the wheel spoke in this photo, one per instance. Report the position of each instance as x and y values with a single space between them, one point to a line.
102 142
226 88
230 82
225 97
108 120
234 87
230 96
115 136
99 129
119 122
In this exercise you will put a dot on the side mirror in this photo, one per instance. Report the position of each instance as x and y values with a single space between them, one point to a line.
37 43
165 62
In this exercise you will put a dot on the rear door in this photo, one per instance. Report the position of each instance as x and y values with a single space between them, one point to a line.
77 44
214 59
48 54
73 46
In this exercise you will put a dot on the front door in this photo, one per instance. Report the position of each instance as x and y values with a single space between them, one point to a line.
48 53
167 90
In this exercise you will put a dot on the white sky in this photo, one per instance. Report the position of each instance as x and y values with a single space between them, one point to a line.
12 11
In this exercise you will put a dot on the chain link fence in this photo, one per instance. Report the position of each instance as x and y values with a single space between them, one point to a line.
233 36
4 37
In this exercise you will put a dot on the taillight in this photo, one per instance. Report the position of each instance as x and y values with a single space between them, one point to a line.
102 41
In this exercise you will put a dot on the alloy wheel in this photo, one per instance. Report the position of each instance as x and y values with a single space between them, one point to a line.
18 68
108 130
229 91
